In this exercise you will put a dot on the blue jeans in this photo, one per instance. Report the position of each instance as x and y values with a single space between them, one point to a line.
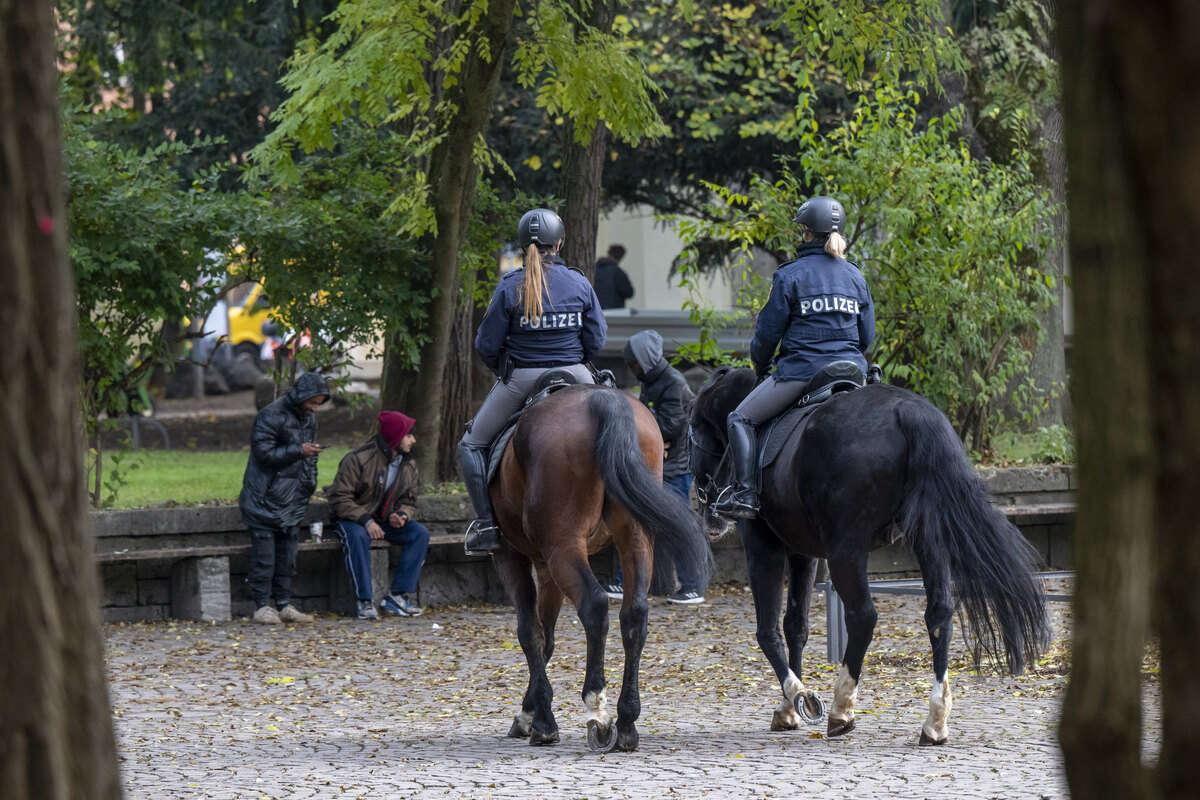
356 545
689 581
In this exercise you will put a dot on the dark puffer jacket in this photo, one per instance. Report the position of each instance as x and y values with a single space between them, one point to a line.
279 480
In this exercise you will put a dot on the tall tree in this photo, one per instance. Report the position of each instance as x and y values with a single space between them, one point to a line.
431 70
56 737
190 69
1131 89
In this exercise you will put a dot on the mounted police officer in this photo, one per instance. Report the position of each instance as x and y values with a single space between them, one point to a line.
819 311
542 316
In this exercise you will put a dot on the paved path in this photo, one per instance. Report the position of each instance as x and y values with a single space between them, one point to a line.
408 708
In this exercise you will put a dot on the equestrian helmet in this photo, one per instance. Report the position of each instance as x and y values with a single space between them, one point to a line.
822 215
542 227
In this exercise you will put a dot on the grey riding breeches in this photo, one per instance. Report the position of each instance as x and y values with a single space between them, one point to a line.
505 399
768 400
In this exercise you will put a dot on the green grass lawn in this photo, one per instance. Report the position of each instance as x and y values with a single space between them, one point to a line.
152 477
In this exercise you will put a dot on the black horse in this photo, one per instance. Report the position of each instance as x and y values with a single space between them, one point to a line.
867 467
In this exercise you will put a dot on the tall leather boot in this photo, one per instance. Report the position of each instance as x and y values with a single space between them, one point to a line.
483 536
741 499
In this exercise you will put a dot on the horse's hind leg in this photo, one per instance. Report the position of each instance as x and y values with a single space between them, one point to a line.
535 720
850 580
637 558
939 621
765 559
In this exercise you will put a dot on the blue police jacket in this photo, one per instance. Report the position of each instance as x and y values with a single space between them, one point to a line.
819 311
570 330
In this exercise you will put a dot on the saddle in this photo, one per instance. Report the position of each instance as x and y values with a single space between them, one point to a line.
548 384
833 379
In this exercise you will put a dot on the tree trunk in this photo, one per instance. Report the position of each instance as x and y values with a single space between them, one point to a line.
1132 104
452 177
1049 367
56 738
583 171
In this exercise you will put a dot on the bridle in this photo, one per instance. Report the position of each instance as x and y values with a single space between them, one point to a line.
710 487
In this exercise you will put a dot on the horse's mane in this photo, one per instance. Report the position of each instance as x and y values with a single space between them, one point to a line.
720 394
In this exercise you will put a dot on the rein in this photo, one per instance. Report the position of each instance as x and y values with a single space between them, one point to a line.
702 492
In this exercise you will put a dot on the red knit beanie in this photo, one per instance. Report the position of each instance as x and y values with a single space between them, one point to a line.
394 426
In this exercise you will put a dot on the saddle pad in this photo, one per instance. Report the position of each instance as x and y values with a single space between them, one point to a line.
496 451
778 431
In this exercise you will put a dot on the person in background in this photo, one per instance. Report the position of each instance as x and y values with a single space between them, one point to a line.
666 393
612 284
281 475
374 496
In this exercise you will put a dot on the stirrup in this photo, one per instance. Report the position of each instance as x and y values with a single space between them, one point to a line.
482 538
732 502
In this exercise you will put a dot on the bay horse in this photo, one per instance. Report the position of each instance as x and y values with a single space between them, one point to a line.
867 467
583 468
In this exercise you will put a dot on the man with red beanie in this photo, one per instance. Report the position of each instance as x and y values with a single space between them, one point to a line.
374 496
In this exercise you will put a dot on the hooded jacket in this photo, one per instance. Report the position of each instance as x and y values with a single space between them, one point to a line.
279 480
357 493
666 393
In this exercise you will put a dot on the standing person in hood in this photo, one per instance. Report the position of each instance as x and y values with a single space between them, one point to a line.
819 311
666 393
281 475
612 283
374 496
543 316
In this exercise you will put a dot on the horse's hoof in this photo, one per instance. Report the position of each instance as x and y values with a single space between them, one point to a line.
627 742
781 723
810 707
519 730
599 738
839 727
538 738
929 741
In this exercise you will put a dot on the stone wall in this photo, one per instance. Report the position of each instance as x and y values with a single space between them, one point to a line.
140 552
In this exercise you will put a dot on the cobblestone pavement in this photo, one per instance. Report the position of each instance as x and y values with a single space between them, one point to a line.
419 707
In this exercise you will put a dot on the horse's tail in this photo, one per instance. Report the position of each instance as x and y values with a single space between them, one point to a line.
947 514
664 515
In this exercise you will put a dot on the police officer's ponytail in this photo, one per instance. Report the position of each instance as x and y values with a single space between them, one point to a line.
538 229
534 284
835 245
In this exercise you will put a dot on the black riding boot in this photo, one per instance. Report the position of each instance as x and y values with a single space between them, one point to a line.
482 534
741 499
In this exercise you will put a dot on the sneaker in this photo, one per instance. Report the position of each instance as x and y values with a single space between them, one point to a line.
366 610
400 605
266 615
686 598
290 613
614 591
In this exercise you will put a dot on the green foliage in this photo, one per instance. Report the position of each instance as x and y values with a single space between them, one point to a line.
331 260
950 247
145 251
205 70
1055 444
395 65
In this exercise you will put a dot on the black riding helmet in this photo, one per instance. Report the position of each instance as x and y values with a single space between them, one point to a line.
542 227
822 215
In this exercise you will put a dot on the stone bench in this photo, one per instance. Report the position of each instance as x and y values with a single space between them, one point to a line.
190 562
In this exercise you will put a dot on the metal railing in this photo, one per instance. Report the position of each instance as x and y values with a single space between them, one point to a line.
835 610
